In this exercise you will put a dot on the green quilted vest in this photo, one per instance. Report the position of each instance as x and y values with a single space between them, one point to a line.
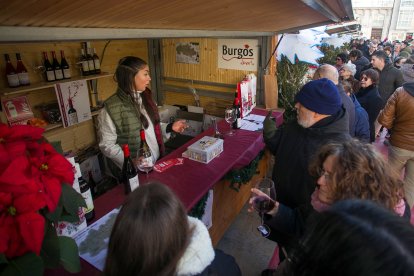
126 117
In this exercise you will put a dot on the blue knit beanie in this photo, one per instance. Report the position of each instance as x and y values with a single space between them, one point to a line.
320 96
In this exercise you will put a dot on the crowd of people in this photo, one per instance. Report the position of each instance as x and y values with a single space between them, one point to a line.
336 198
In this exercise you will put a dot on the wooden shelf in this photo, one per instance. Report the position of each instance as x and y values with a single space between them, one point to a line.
49 127
42 85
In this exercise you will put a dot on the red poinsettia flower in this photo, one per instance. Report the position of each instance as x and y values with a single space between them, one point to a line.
21 226
20 132
50 169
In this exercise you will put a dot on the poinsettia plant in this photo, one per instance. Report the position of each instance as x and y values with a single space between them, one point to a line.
35 193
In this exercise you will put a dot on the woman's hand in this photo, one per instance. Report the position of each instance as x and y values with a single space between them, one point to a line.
257 193
179 126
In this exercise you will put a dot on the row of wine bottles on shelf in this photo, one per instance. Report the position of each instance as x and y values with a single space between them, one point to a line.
16 76
55 70
89 60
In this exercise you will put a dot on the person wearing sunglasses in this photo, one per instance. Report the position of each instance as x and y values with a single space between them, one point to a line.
341 59
369 98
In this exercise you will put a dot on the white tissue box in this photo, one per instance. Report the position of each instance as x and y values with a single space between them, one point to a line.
205 149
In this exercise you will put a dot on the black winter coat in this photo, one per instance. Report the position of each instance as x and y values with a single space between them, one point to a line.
293 147
371 101
361 64
390 79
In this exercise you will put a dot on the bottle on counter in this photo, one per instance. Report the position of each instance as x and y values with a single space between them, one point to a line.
145 162
96 62
65 66
11 73
236 107
87 196
56 67
129 173
50 74
92 184
22 71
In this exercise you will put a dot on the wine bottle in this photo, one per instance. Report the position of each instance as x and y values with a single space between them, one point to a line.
50 74
92 184
56 67
129 173
11 74
65 66
22 71
87 196
145 162
236 106
72 114
96 62
90 61
85 64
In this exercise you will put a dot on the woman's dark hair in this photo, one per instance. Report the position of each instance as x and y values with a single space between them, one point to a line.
359 171
150 234
371 74
125 73
356 53
358 238
343 57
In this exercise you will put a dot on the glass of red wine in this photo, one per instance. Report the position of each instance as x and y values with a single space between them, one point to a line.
263 202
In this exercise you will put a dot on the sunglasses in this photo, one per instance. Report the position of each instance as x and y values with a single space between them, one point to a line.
364 78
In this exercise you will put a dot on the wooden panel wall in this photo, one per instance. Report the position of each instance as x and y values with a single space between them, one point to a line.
82 135
207 70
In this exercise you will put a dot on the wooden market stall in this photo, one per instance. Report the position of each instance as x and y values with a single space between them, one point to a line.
151 30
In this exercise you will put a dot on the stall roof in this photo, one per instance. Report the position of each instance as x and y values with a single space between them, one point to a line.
104 19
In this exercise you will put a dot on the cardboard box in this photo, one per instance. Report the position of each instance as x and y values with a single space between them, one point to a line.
166 112
205 149
17 110
246 90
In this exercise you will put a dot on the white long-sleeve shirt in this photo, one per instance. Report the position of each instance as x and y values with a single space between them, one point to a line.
107 137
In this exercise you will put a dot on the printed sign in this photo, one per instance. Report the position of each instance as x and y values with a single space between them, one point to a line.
73 99
17 110
238 54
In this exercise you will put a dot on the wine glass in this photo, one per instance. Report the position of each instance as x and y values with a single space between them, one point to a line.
144 160
263 202
230 117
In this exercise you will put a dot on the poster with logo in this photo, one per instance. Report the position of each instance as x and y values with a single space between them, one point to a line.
238 54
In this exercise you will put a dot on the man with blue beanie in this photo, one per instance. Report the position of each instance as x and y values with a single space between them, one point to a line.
321 118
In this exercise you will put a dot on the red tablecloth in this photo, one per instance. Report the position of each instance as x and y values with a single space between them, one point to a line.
192 180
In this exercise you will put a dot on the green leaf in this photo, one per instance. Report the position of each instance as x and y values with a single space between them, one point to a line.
50 251
69 255
3 259
27 265
70 218
71 200
55 216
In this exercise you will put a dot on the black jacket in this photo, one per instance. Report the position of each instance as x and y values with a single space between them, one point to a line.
390 79
372 102
293 147
349 107
361 64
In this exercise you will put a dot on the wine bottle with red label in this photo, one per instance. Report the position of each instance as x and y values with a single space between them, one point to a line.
11 73
129 173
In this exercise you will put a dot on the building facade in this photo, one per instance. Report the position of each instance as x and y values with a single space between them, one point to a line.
380 19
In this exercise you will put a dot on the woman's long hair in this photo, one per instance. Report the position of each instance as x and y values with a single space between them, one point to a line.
125 73
359 172
150 234
358 238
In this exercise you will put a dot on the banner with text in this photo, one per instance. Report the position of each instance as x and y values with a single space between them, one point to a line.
238 54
